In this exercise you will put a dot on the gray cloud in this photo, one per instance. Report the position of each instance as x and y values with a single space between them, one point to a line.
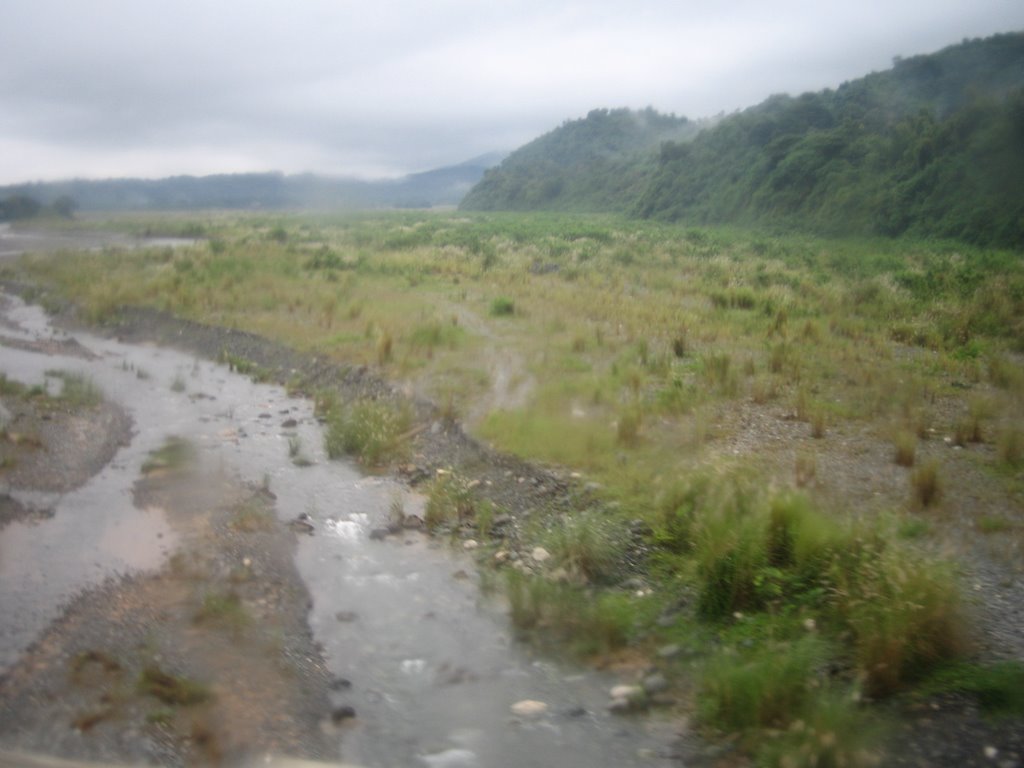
138 87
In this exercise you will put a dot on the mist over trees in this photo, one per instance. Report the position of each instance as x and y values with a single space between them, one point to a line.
591 164
933 147
268 191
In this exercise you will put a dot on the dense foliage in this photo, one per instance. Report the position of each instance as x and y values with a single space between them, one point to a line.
933 147
592 164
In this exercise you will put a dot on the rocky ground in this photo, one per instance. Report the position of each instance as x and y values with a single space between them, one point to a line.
941 731
210 660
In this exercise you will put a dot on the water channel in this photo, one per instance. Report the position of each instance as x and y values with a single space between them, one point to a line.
434 668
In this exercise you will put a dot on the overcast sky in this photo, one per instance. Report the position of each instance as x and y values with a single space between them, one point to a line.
104 88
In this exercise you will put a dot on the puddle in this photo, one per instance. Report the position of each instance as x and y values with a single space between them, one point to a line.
432 671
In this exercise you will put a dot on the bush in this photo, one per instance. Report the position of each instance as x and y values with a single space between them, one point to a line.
905 448
374 431
450 501
925 484
503 307
587 546
590 623
769 688
903 610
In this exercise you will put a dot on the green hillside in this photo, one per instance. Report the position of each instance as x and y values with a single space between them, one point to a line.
933 147
592 164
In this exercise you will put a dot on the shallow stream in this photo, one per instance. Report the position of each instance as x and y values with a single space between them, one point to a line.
434 670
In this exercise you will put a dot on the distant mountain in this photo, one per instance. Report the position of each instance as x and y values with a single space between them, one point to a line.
442 186
591 164
933 147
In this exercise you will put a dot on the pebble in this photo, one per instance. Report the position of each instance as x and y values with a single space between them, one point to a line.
529 708
628 692
540 555
655 683
342 713
470 544
669 651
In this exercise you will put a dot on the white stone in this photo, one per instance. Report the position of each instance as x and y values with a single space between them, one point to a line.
627 692
470 544
540 554
529 708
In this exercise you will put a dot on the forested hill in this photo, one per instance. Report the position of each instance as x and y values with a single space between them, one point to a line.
591 164
933 147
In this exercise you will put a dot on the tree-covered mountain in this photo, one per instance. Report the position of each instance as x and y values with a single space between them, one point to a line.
442 186
591 164
933 146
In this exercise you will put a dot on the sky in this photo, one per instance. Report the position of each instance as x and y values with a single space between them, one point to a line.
112 88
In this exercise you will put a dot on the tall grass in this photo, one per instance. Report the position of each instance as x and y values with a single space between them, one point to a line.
374 431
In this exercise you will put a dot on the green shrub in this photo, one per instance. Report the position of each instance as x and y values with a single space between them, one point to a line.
766 689
587 545
998 687
374 431
1010 445
925 484
903 610
502 307
905 448
589 623
450 501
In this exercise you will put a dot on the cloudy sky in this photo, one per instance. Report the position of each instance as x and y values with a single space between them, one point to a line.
102 88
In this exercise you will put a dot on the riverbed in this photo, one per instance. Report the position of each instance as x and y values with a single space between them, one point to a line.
429 668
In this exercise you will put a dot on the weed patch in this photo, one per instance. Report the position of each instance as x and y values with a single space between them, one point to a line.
374 431
172 689
175 454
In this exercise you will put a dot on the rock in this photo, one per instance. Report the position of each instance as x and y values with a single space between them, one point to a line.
633 584
576 711
500 556
346 616
451 758
620 706
412 522
379 534
540 555
628 692
529 708
669 651
342 713
662 700
470 544
501 520
340 684
656 683
301 524
289 423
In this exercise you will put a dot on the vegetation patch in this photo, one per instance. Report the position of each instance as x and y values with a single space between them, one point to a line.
174 455
172 689
374 431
